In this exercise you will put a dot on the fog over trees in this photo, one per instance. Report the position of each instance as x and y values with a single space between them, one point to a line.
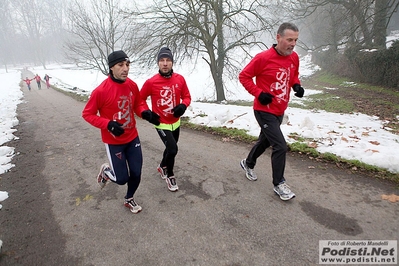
220 32
32 32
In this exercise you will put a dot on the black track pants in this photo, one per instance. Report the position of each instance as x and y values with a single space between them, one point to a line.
270 135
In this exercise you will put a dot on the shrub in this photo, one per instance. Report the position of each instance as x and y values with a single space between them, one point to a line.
377 67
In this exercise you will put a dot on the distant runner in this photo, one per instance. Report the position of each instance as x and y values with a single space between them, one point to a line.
27 81
38 81
47 79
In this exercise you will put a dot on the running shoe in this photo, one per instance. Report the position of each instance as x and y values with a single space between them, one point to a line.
162 171
102 178
132 205
171 181
284 191
249 173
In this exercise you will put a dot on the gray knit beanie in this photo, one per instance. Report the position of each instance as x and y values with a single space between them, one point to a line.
165 53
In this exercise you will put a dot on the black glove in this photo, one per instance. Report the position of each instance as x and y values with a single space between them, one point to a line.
151 117
115 128
265 98
179 110
299 91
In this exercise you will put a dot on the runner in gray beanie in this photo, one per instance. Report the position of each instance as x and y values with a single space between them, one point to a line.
165 52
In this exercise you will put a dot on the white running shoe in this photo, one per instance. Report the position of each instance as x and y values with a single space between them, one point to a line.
132 205
284 191
171 181
102 178
162 171
249 173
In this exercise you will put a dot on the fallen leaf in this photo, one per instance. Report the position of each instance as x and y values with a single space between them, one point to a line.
391 198
373 151
374 142
312 145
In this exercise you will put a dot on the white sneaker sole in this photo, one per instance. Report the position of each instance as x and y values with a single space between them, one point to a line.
137 210
246 174
285 197
99 176
160 171
171 187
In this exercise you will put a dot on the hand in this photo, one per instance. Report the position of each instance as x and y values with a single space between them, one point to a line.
151 117
115 128
299 91
265 98
179 110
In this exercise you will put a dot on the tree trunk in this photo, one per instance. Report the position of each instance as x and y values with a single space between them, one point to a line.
217 76
220 96
219 89
380 21
356 10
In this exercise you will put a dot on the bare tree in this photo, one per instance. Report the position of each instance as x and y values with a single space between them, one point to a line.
97 29
381 23
324 27
216 30
29 30
365 21
6 32
29 23
54 32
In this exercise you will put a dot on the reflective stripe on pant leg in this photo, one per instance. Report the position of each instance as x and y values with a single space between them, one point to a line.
117 158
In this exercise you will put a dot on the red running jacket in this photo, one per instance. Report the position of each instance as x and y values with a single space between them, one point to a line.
166 93
274 74
115 101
